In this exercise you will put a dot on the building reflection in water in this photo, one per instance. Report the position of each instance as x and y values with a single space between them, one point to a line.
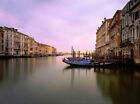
76 70
121 86
12 69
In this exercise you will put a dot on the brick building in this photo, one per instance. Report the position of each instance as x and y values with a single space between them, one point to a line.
102 38
115 34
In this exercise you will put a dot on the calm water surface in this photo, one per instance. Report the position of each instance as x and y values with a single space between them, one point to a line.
49 81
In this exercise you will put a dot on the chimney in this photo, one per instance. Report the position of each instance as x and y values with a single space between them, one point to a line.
104 19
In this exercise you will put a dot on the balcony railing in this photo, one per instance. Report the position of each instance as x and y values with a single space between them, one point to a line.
107 42
127 42
134 5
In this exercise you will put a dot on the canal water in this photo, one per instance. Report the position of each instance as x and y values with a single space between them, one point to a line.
47 80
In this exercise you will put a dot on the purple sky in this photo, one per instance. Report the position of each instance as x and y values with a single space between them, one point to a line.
60 23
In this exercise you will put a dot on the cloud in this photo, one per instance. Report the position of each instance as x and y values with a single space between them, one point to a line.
62 23
7 19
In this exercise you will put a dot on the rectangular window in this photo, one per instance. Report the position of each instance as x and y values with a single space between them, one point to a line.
137 29
136 15
2 48
137 47
2 35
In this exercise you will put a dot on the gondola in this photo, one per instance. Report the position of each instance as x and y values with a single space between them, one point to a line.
78 62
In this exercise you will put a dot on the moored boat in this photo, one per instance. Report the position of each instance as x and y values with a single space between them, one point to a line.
76 62
85 61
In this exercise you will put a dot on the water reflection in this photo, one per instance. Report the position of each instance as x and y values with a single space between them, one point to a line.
76 71
121 86
13 69
50 81
76 68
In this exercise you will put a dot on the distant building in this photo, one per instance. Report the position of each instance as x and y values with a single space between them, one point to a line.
36 48
17 43
14 43
54 51
31 46
51 50
24 44
1 42
43 49
102 38
115 34
8 40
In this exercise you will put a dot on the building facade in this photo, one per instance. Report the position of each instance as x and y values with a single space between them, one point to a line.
102 38
25 44
131 30
115 34
14 43
8 40
1 43
50 50
54 52
36 48
31 46
135 21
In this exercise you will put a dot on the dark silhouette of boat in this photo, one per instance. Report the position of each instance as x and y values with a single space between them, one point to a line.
85 61
78 62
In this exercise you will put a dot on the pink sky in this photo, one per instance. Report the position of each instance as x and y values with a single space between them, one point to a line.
60 23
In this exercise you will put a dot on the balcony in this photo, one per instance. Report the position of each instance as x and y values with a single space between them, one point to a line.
137 40
107 43
134 5
127 42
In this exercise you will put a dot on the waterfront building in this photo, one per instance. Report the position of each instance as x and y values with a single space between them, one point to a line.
43 49
8 40
135 26
127 42
102 38
130 43
36 48
24 44
1 43
17 44
51 50
14 43
54 51
115 34
39 49
31 46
